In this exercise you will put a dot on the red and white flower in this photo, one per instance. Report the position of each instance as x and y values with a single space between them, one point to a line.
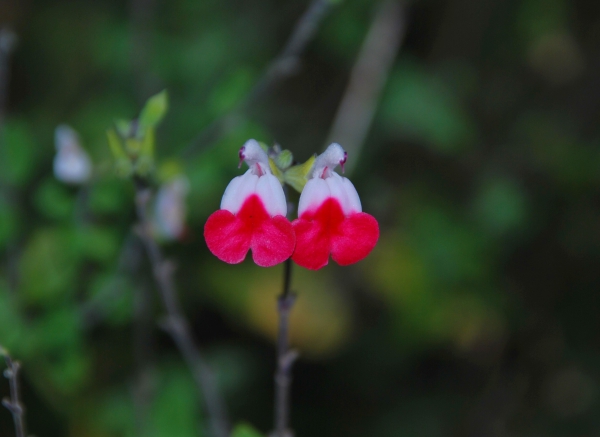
330 218
252 215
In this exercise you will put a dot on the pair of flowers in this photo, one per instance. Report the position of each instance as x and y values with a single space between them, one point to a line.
253 216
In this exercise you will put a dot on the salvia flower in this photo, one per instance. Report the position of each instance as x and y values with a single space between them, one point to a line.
72 164
252 215
170 209
330 218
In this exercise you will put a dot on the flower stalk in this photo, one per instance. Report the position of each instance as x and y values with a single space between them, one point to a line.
285 357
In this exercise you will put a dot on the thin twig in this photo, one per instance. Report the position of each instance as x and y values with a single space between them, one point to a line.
369 74
283 66
175 323
13 404
285 357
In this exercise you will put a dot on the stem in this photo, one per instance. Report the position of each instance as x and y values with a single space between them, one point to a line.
176 324
14 404
285 357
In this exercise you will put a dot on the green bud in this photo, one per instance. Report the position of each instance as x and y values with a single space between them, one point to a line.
284 159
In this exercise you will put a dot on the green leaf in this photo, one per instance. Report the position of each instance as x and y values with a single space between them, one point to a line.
276 171
154 110
145 161
245 430
122 163
297 176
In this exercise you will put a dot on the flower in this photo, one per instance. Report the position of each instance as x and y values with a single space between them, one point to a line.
72 164
170 210
252 215
330 218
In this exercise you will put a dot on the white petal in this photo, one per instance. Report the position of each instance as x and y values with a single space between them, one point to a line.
271 193
354 204
327 161
66 137
238 190
343 190
255 157
315 192
170 209
72 166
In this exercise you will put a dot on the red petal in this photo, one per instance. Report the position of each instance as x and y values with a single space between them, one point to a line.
227 237
358 235
314 232
326 230
230 236
273 242
312 245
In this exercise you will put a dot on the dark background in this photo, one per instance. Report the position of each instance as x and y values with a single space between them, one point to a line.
476 314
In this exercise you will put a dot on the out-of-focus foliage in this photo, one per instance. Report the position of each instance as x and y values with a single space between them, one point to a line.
476 314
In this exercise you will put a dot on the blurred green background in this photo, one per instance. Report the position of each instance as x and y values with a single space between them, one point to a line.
476 314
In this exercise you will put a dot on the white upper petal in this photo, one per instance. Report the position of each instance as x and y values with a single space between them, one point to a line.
354 204
271 193
343 190
255 157
315 192
327 161
238 190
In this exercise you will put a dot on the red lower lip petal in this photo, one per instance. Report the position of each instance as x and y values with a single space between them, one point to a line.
229 236
326 230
